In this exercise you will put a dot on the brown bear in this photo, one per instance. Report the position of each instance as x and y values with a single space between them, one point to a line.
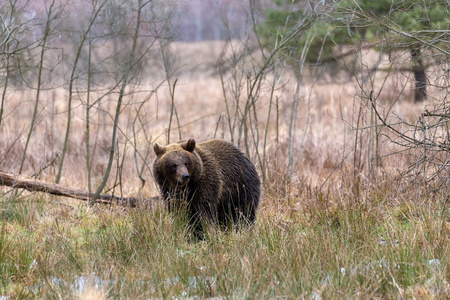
217 183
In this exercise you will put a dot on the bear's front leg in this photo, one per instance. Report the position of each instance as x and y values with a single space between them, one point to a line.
202 217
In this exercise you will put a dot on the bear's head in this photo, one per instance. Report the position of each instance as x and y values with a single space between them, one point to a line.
177 164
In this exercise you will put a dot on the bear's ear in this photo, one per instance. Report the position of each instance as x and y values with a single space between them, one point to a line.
159 150
189 145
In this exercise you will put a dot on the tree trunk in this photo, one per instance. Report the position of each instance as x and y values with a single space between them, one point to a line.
420 78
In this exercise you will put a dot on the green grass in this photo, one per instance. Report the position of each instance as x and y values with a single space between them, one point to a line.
325 246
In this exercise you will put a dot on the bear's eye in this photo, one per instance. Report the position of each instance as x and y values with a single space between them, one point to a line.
173 167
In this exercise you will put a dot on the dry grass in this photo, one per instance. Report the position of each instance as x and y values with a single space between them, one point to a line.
327 128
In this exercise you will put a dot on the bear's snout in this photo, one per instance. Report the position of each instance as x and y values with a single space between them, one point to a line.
182 176
185 177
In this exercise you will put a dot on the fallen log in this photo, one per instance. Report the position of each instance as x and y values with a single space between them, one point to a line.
33 185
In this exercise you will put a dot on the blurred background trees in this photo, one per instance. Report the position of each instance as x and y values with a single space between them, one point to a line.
419 28
413 35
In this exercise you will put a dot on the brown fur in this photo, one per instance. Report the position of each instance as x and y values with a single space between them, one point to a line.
217 182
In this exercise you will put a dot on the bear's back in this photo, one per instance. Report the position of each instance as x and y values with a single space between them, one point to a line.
225 154
233 165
